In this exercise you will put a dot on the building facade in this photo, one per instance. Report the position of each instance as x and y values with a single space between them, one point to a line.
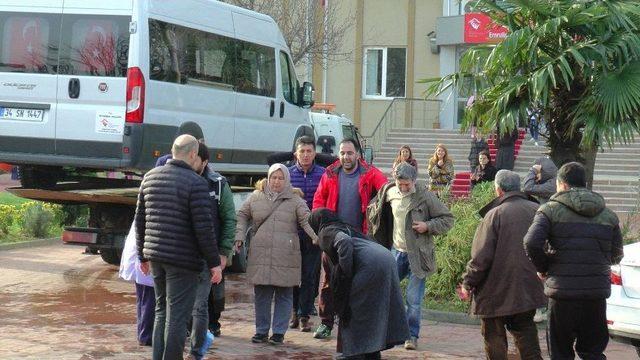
391 49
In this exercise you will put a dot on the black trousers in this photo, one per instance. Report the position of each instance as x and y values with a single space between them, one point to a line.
583 322
523 329
216 304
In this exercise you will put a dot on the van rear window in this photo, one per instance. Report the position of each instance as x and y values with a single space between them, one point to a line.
74 44
94 45
29 42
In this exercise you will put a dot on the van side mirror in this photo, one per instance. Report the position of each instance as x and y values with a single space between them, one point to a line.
306 98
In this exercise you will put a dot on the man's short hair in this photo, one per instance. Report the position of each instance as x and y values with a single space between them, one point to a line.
305 140
573 174
203 152
183 146
507 180
405 171
352 141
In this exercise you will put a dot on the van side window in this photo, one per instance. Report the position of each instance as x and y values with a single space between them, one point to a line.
289 80
256 69
188 56
94 45
29 42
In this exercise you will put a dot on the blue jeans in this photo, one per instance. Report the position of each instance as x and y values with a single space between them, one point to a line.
415 291
283 299
175 293
200 313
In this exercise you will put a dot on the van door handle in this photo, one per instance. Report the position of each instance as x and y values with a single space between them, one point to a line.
281 109
74 88
272 109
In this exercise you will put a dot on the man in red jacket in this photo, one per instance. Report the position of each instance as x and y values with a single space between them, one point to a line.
346 188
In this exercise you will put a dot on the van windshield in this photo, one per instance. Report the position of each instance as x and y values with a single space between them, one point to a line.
74 44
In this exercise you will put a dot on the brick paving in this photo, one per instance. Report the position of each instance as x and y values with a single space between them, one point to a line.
56 303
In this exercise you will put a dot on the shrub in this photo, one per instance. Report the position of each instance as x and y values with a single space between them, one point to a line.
453 250
38 218
7 214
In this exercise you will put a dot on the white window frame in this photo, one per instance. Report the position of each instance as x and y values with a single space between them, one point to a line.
383 89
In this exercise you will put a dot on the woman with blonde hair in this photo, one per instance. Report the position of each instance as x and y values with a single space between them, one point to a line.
405 155
273 267
440 169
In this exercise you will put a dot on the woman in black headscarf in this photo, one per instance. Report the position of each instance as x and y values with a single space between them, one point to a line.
366 291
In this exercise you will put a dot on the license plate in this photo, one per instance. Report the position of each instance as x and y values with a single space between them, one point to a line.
7 113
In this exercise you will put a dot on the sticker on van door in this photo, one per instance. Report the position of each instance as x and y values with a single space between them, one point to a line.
109 122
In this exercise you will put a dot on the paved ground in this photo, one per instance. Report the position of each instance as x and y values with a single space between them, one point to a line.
56 303
5 181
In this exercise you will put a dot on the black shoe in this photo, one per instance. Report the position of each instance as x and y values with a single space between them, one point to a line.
276 339
216 332
294 322
260 338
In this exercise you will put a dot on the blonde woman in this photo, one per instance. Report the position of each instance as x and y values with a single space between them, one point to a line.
440 169
273 268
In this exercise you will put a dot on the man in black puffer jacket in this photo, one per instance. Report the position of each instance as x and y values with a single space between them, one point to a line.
573 241
175 232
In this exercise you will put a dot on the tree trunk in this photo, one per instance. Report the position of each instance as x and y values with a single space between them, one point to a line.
565 147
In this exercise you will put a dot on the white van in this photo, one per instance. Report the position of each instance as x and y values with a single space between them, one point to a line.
88 84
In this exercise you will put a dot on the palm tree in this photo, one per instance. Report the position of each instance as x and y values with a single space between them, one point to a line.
577 62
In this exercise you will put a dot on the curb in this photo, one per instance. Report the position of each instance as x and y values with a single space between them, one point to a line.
461 318
30 244
450 317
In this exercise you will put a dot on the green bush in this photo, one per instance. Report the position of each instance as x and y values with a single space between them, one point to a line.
453 250
7 213
37 219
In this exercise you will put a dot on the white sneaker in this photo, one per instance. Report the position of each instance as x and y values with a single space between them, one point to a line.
536 143
540 316
411 344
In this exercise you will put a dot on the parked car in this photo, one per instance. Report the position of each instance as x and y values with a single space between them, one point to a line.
623 306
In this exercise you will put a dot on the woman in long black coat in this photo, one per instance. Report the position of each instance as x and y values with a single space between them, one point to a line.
506 146
365 287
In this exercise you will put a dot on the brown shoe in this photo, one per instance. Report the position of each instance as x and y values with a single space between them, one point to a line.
305 324
294 323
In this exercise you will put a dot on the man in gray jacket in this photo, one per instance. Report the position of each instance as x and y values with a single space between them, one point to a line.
174 232
406 217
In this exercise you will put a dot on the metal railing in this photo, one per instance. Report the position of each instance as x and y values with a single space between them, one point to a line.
414 113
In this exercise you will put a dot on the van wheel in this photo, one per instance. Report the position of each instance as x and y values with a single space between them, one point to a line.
239 262
111 256
40 177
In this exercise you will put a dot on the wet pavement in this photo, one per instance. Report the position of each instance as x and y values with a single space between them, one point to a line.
57 303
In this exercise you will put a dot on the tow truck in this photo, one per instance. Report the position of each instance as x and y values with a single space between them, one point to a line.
112 205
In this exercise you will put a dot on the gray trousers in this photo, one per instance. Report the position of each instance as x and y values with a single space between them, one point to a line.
175 293
282 298
200 313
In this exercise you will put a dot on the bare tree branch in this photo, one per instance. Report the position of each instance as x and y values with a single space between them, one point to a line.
294 16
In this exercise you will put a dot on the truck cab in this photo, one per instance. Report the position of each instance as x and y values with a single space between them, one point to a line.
331 128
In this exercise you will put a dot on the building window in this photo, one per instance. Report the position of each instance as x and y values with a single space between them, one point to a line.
384 72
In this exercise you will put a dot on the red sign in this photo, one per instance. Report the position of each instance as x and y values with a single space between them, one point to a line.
479 29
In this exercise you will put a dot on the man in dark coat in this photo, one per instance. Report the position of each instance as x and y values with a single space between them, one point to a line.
503 281
175 232
540 181
305 175
573 241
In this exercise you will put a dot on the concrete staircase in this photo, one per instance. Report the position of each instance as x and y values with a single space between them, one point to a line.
616 176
